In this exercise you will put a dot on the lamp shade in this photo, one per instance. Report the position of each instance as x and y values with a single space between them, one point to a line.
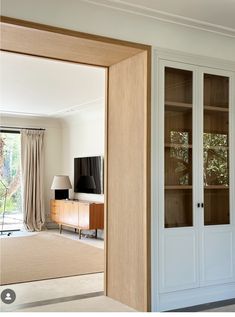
61 182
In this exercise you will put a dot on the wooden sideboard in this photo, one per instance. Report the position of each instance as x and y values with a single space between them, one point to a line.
80 215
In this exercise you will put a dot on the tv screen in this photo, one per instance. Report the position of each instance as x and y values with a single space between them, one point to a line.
88 175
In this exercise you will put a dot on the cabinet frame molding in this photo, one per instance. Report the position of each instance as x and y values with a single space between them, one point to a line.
164 301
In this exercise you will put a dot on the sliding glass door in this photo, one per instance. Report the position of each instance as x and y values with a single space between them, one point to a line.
11 217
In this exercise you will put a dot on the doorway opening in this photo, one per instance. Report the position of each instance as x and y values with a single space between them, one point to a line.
127 179
72 237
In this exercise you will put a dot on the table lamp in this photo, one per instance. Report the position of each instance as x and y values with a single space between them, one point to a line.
61 184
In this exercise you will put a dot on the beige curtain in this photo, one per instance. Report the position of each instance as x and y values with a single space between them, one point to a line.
32 178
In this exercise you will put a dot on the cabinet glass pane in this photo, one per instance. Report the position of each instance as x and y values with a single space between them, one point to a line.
216 150
178 147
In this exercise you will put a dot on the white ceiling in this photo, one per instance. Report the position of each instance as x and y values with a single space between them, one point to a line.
211 15
43 87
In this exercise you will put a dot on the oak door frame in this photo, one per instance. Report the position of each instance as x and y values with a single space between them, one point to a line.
34 39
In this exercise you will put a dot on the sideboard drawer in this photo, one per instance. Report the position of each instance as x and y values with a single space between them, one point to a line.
78 214
55 211
70 214
84 215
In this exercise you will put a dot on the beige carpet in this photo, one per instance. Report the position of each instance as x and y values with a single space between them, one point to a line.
45 256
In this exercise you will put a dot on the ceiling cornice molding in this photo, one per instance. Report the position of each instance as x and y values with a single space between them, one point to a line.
33 121
99 102
23 114
194 59
68 111
164 16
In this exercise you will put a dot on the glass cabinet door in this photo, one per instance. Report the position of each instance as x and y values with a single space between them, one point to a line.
216 150
178 147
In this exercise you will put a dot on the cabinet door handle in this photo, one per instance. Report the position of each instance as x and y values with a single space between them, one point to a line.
198 205
202 205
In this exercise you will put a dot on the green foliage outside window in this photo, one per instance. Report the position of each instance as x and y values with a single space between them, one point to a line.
10 172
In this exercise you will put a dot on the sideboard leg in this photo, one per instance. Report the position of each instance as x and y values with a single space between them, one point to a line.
60 228
80 233
96 233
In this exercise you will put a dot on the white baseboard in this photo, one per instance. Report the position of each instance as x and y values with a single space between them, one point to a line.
193 297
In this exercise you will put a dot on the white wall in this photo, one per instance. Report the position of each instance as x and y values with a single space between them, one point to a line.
90 18
83 135
53 144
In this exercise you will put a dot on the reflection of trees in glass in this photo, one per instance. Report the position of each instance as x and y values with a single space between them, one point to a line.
179 137
10 171
215 159
180 155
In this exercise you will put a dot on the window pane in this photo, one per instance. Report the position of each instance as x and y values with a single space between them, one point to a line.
10 173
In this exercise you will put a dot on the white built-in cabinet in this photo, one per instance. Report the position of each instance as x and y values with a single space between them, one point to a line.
196 208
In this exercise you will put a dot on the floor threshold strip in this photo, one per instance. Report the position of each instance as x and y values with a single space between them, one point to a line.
205 307
54 301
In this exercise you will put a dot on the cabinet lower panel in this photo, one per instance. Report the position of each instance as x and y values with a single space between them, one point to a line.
193 297
217 264
179 260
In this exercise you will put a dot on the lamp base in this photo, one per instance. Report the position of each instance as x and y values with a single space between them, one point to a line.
61 194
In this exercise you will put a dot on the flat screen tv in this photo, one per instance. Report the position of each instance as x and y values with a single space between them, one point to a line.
88 175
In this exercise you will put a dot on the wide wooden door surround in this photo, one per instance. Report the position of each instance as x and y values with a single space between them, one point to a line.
127 155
